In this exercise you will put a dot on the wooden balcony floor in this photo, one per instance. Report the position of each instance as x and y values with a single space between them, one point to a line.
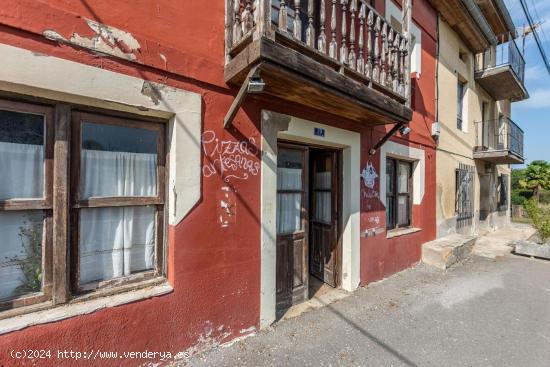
312 79
498 156
502 83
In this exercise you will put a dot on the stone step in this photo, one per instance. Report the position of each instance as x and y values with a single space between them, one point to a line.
493 248
446 251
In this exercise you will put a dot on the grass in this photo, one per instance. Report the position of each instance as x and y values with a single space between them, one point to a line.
522 220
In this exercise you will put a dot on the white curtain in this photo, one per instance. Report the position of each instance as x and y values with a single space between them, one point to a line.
106 174
116 242
21 177
289 205
11 248
323 200
323 180
21 171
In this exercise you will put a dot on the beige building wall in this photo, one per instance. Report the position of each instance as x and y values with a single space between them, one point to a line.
457 63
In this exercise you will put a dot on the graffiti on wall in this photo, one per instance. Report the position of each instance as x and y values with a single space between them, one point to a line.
227 210
230 159
369 176
370 195
369 192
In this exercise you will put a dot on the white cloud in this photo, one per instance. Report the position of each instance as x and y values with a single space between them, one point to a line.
535 73
539 98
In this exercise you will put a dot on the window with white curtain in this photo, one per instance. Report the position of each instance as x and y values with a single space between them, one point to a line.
290 191
25 202
106 207
119 198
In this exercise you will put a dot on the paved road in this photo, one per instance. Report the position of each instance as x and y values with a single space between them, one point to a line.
480 313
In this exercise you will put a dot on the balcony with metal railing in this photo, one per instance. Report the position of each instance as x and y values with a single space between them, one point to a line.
501 72
499 141
338 56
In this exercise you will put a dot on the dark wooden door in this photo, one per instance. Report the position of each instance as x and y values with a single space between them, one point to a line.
323 218
292 200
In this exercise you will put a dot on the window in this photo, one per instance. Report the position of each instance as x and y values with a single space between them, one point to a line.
26 154
463 56
119 188
460 92
398 193
464 195
114 193
290 190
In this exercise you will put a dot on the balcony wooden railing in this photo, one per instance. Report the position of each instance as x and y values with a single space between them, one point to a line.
352 35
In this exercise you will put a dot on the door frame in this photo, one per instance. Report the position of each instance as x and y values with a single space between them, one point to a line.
308 205
276 126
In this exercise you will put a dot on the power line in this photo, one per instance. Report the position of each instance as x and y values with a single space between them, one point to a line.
535 34
540 20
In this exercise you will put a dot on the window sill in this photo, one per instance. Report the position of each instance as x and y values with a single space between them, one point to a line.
401 232
77 308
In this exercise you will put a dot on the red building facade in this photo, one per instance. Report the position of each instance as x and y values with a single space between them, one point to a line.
219 232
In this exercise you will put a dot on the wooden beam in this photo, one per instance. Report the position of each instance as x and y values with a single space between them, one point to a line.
239 99
386 137
61 203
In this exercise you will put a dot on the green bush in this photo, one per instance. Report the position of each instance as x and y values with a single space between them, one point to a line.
519 197
545 197
540 218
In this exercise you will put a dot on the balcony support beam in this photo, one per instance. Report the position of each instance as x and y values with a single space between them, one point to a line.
254 73
386 137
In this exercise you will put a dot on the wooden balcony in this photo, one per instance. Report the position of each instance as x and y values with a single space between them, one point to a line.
503 76
341 56
499 141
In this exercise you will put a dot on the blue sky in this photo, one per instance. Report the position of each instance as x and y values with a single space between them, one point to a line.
533 115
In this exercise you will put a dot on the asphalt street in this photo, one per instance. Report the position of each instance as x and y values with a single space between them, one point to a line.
479 313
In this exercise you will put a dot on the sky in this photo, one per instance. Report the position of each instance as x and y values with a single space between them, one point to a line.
533 114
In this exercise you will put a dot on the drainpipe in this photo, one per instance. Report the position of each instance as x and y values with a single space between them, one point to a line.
507 18
476 13
437 50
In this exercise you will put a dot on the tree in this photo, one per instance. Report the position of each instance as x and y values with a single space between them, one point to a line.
517 176
537 177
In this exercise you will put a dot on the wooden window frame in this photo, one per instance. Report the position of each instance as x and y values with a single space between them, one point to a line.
44 204
304 191
395 195
61 204
77 203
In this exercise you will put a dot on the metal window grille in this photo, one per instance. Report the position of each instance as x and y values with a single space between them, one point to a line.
465 180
